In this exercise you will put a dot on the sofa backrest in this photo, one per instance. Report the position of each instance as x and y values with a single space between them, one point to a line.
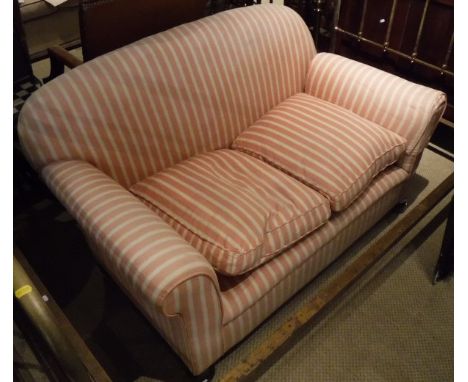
158 101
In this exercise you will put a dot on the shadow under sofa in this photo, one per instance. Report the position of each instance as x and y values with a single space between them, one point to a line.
169 105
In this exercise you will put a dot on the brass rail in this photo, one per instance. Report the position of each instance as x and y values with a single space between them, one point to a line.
420 29
363 18
390 25
336 19
395 51
449 52
36 309
385 47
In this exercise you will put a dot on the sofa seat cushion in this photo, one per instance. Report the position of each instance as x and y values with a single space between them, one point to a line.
235 209
241 293
323 145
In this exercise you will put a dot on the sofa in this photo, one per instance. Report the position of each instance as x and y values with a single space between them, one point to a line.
217 167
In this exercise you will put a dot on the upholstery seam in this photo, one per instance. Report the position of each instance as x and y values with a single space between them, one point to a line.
188 338
437 103
316 188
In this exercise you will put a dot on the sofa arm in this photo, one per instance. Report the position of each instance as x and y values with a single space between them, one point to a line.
410 110
172 283
145 254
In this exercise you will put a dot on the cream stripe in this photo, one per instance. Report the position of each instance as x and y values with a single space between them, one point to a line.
253 240
165 49
91 90
104 73
262 140
286 133
154 257
238 207
352 124
224 224
204 174
125 87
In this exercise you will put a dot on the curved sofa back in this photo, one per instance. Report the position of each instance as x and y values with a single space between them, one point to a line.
162 99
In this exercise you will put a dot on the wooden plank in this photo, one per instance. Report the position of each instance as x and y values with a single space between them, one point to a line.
87 358
342 282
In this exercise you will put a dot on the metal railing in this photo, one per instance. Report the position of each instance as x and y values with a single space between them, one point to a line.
43 320
413 57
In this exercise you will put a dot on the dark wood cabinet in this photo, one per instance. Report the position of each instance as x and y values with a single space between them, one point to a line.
21 66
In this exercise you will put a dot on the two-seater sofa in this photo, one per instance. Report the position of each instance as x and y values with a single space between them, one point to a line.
217 167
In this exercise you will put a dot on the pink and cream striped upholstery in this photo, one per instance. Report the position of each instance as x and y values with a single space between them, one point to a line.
154 103
128 115
249 299
410 110
170 281
325 146
236 210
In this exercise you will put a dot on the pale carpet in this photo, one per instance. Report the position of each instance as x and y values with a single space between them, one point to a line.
393 325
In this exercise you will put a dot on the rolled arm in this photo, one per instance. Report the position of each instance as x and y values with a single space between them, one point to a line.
145 253
173 284
408 109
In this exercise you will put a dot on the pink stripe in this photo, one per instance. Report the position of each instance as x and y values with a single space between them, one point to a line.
323 145
249 290
402 107
236 231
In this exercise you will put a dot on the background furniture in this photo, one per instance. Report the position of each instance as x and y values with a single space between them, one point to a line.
108 25
414 39
46 25
22 70
24 84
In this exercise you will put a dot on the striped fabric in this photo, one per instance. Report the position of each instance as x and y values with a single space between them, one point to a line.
145 108
174 285
192 323
410 110
167 278
323 145
249 299
236 210
156 102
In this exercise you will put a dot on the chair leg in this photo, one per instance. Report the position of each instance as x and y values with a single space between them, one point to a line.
445 265
401 207
206 376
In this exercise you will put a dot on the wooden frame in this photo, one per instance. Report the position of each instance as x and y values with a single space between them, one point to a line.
72 357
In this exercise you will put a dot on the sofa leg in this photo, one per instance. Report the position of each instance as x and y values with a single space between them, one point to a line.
401 206
206 376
